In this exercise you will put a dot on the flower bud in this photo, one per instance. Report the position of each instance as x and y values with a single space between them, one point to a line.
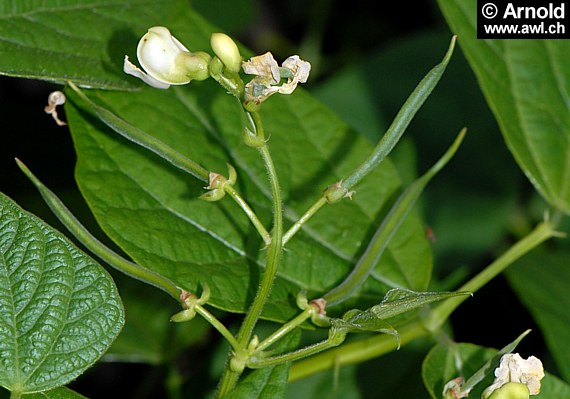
166 61
227 51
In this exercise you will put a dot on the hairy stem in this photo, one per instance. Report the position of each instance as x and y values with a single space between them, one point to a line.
274 250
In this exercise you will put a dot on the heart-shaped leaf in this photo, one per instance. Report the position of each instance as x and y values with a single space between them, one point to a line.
59 310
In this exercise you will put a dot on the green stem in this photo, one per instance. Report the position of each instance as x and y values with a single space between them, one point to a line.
273 252
230 376
232 192
285 329
332 341
97 247
303 219
541 233
356 352
210 318
15 395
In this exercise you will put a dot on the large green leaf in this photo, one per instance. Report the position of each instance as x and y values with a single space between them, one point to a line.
527 85
84 41
59 310
542 282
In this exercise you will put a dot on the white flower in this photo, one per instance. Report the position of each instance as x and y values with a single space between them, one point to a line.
268 75
166 60
513 368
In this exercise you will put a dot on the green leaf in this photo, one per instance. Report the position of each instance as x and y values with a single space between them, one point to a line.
57 393
542 282
527 86
268 382
84 41
59 310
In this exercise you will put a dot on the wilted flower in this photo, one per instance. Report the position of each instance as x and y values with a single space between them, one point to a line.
268 75
166 60
514 369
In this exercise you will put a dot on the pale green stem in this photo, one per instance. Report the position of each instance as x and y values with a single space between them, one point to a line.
249 212
303 219
285 329
355 352
210 318
15 395
331 342
97 247
541 233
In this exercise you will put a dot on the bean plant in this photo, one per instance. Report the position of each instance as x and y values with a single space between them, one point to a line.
273 227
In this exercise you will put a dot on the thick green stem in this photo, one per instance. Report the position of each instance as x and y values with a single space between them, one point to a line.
274 250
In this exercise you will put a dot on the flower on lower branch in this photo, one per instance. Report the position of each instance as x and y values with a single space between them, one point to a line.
268 75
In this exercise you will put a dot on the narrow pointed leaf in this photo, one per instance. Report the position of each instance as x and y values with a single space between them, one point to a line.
59 310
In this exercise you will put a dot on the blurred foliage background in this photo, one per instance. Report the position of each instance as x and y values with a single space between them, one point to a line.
367 57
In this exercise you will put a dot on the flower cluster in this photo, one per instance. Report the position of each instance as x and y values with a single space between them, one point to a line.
166 61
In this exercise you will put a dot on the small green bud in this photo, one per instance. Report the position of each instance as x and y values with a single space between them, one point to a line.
511 390
227 51
185 315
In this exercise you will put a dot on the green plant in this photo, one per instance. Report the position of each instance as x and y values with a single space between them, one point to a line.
310 224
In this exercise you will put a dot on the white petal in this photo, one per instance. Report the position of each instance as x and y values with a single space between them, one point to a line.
131 69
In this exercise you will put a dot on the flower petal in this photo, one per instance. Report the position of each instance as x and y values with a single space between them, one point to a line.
131 69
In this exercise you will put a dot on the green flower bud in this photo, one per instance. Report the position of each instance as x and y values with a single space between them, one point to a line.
511 390
227 51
